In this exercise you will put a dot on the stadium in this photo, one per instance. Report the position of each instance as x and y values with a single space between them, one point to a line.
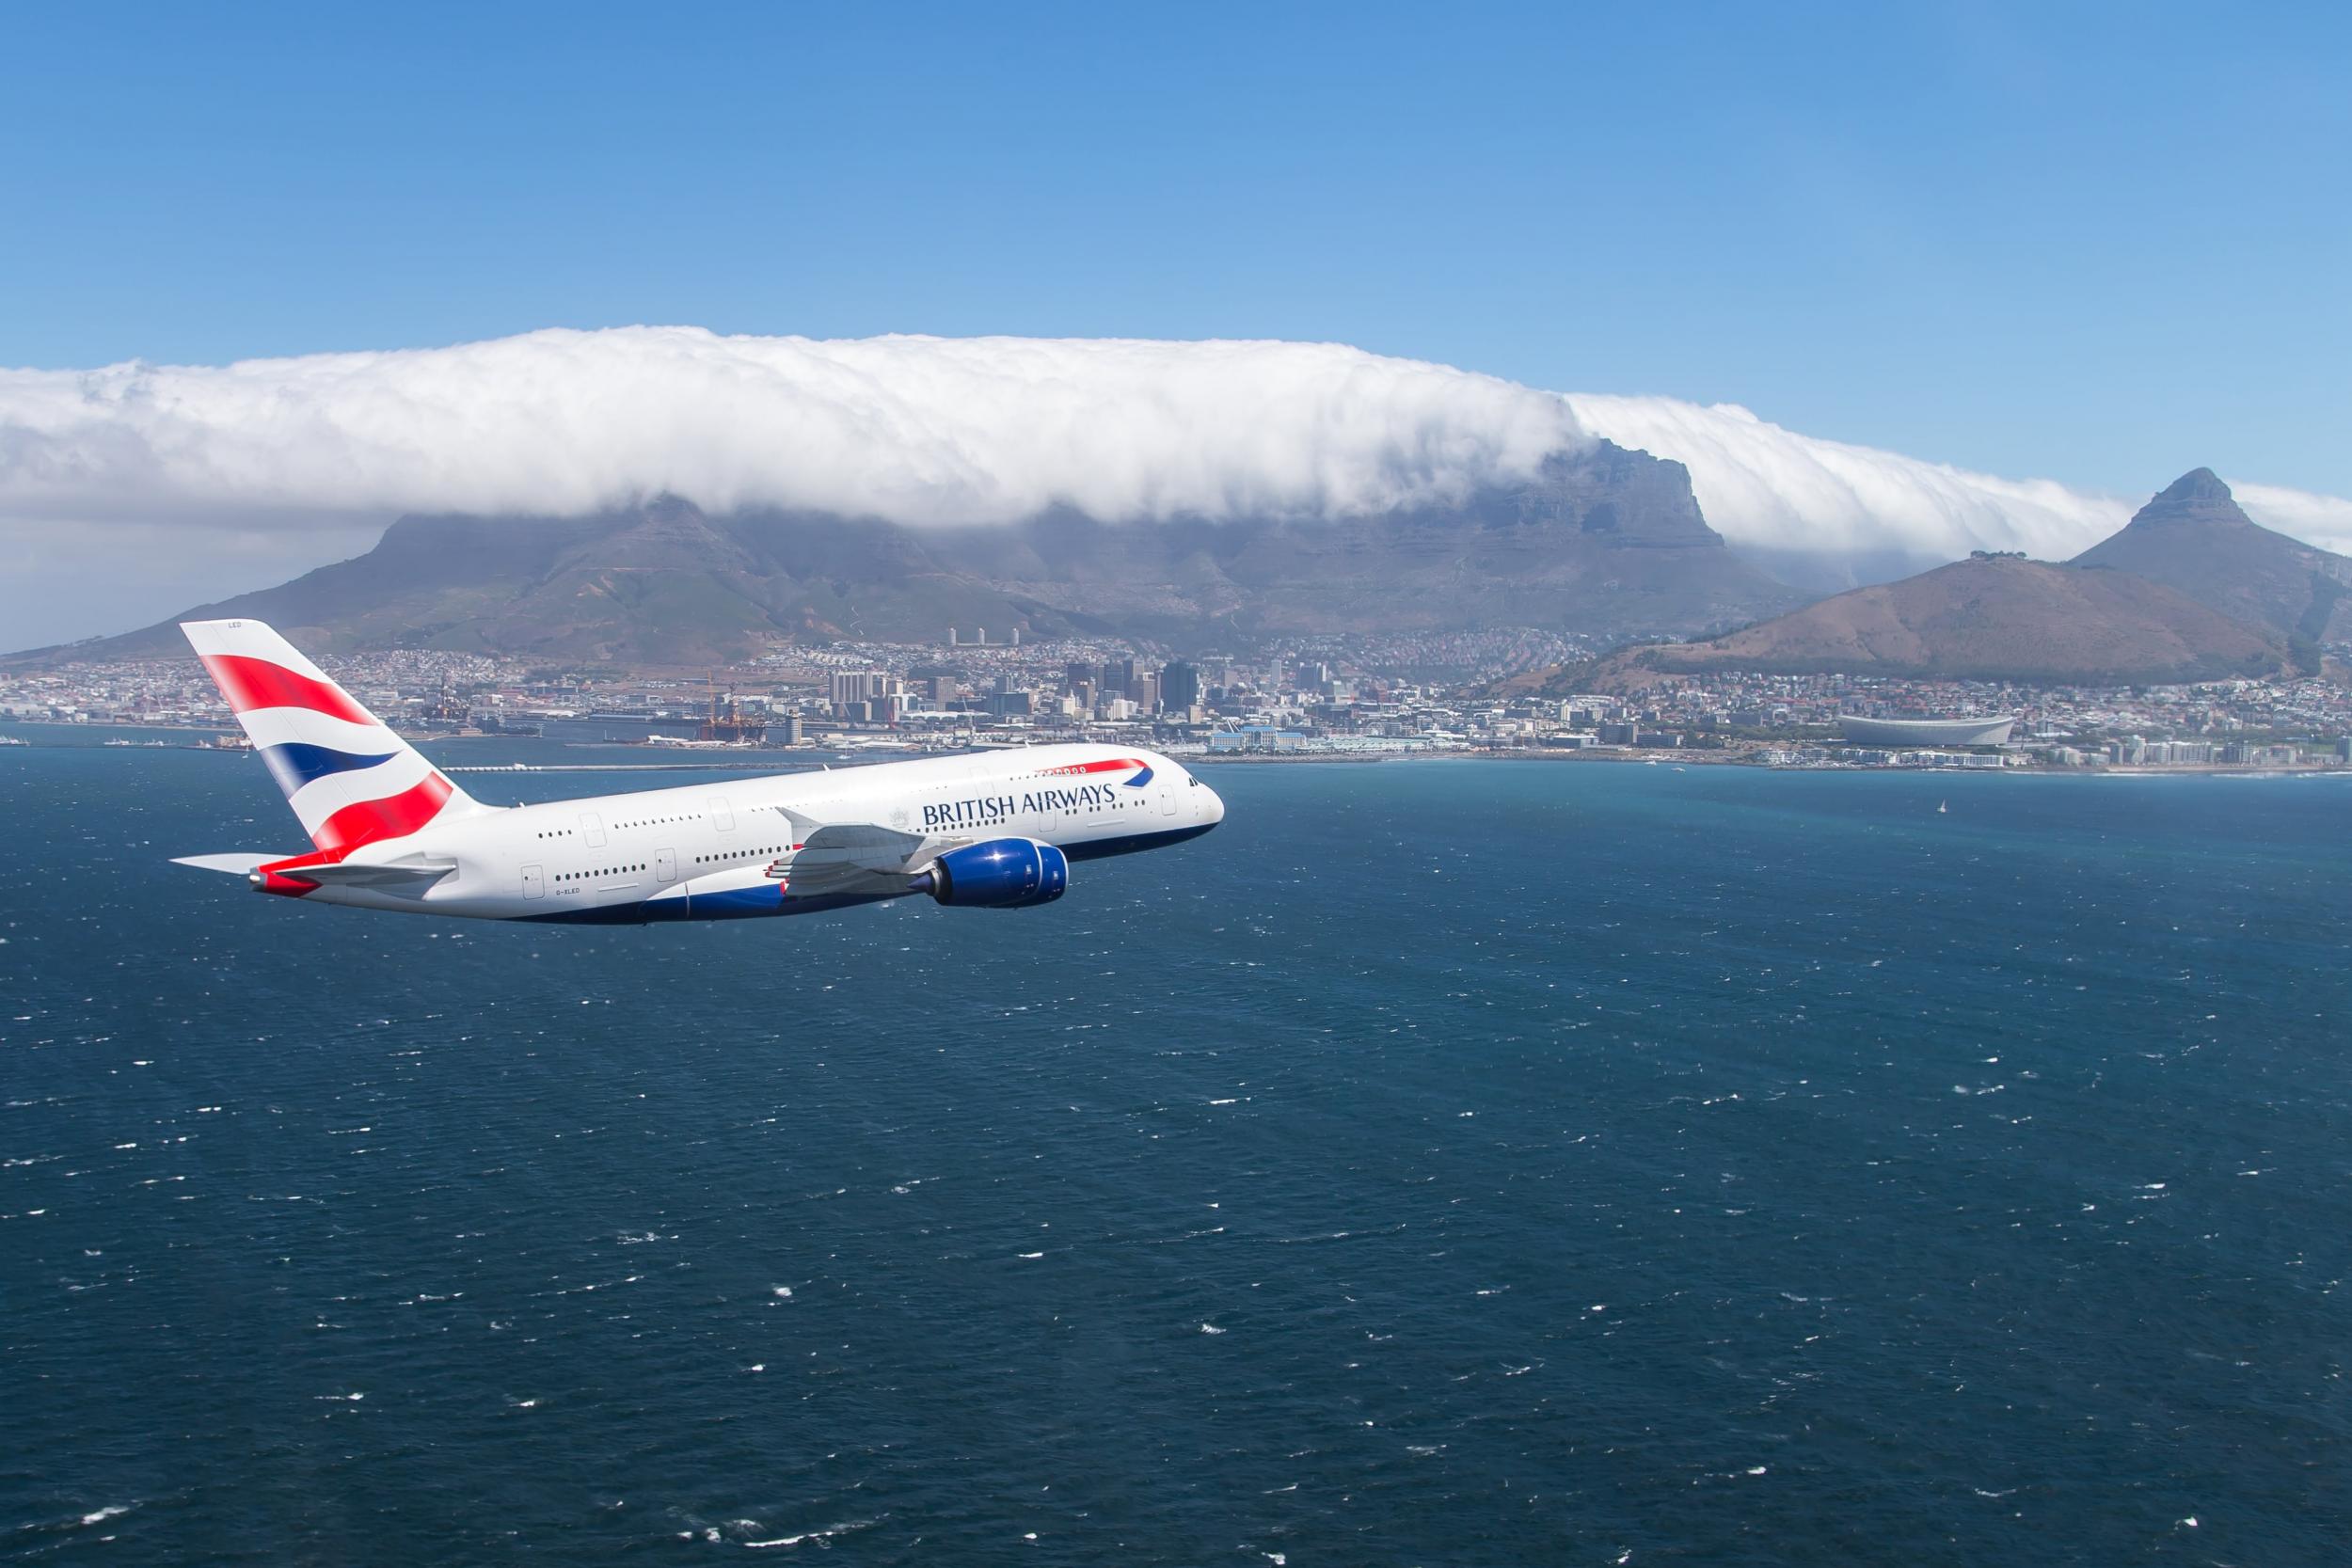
1991 731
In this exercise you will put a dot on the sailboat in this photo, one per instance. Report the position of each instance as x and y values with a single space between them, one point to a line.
1943 806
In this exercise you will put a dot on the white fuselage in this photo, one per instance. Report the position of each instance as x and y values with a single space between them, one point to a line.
712 851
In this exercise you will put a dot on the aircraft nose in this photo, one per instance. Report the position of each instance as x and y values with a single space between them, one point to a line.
1211 809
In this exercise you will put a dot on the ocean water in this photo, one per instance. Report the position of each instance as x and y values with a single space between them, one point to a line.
1442 1163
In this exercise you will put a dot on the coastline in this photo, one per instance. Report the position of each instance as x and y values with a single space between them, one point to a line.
756 758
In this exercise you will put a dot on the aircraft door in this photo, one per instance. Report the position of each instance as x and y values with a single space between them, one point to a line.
665 864
1167 798
722 815
534 882
592 829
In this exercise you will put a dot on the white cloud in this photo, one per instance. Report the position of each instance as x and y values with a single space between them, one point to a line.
916 429
1787 494
1802 501
2322 521
928 430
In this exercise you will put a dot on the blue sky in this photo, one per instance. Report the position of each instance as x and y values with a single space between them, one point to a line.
2099 243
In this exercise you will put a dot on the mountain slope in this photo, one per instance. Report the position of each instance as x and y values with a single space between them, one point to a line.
1607 541
1989 619
2195 538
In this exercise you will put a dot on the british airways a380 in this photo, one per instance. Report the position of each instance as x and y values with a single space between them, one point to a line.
388 831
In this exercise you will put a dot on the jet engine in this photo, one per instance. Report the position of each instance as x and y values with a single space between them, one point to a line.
1001 873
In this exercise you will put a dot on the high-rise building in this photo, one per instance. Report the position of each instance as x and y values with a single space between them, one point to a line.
1145 691
1180 685
855 690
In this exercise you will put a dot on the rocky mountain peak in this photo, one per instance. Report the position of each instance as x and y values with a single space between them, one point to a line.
2194 537
2197 493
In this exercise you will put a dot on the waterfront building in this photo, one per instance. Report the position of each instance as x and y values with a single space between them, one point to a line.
1981 731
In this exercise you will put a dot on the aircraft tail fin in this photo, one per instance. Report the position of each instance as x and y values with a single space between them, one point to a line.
350 780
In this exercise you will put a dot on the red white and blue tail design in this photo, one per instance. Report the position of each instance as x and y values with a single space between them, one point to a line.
350 780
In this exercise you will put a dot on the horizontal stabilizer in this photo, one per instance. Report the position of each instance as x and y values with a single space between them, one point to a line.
412 875
236 865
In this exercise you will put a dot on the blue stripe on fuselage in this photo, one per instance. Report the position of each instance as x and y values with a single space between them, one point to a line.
1129 844
742 903
750 903
295 763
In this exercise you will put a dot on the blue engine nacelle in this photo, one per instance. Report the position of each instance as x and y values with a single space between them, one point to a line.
1001 873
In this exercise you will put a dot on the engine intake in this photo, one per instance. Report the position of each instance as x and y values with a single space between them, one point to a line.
1001 873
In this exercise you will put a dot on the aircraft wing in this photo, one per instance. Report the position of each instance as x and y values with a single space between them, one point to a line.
831 858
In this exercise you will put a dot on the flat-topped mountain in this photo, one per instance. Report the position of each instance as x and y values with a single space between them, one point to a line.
1991 619
2195 537
1606 541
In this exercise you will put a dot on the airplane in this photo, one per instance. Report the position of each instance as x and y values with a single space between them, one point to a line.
388 831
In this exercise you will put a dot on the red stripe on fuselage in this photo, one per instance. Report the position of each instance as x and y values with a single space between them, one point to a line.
256 683
1111 767
395 816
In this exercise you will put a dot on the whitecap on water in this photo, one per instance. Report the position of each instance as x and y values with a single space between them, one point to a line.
822 1537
